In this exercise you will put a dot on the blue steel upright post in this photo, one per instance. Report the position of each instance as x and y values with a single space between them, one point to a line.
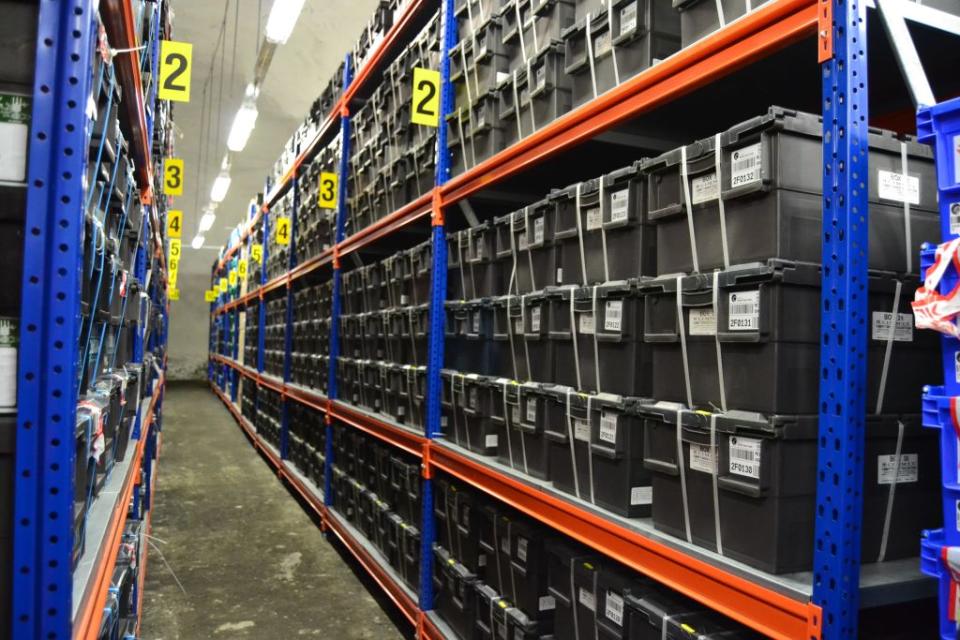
843 348
438 296
47 384
342 213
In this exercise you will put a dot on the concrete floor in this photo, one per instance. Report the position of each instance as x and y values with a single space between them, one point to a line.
252 562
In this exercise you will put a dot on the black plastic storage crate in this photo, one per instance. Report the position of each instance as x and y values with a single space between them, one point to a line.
767 326
601 230
526 249
472 265
656 614
598 339
766 483
534 95
530 26
771 184
520 439
466 406
610 46
455 594
699 18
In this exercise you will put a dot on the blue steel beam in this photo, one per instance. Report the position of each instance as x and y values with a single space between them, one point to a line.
50 322
843 321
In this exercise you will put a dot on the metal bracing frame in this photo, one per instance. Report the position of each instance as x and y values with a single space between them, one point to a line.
47 379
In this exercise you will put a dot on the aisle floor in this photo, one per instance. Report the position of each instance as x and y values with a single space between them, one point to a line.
251 561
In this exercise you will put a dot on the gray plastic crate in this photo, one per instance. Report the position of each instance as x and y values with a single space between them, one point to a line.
521 323
530 26
535 95
623 38
473 13
458 140
480 61
522 444
766 484
767 323
472 265
487 136
526 249
771 184
605 344
467 404
611 240
699 18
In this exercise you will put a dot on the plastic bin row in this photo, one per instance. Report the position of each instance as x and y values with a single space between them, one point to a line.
120 616
397 391
399 280
394 334
316 225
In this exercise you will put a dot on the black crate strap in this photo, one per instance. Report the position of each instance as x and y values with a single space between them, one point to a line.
683 474
516 101
905 182
526 342
714 473
572 443
583 260
603 240
573 600
613 50
888 512
593 69
596 346
513 254
573 341
685 178
523 46
888 350
526 230
463 281
470 261
513 353
681 328
531 85
721 381
721 207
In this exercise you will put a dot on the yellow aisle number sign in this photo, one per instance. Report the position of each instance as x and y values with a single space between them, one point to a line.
210 295
173 176
426 97
256 253
173 261
174 223
175 66
173 293
242 268
233 277
223 285
327 191
283 230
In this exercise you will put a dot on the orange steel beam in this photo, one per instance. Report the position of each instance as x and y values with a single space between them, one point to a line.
90 613
767 29
767 611
398 437
391 223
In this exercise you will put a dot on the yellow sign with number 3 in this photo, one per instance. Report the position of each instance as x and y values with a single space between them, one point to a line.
426 97
327 190
173 176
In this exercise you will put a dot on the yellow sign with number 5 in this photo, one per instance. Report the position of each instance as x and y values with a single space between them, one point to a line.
426 97
175 70
256 253
173 176
283 230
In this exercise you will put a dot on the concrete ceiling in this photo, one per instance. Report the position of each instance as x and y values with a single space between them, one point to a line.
327 29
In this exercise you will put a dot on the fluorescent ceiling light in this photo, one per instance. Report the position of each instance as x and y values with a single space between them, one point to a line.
206 221
197 242
243 124
283 17
220 186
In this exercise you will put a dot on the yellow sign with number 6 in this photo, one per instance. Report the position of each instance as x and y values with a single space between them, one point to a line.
173 176
426 97
242 268
175 70
327 191
283 230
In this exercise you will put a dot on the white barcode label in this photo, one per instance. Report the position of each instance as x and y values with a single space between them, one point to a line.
702 458
746 165
628 19
472 398
887 467
475 321
883 323
613 315
704 189
702 322
587 599
891 186
619 205
515 414
745 456
535 320
955 229
522 549
581 430
956 366
443 421
601 44
547 603
586 323
608 427
531 409
518 325
594 219
743 313
490 440
641 495
614 608
538 231
524 240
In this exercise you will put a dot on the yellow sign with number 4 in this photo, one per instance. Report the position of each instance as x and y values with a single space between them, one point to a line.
283 230
426 97
174 223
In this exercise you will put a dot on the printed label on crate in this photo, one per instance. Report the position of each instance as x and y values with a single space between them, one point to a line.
472 399
559 275
745 456
746 165
587 599
955 218
614 608
883 323
628 19
586 323
490 440
547 603
619 205
594 219
515 415
702 458
743 312
890 186
608 427
541 75
641 495
601 44
524 240
956 163
538 231
481 42
613 316
581 430
443 421
535 319
532 410
887 467
702 322
704 189
475 322
518 325
15 112
522 549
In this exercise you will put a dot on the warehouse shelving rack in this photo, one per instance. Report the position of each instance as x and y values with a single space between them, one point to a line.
824 603
50 600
